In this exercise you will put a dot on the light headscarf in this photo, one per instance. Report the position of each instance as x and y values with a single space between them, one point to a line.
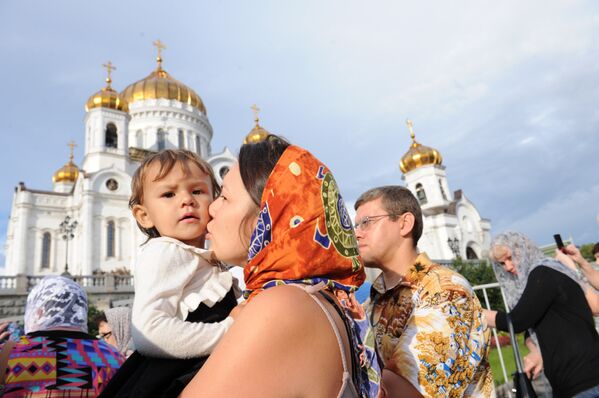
526 257
304 235
56 302
119 320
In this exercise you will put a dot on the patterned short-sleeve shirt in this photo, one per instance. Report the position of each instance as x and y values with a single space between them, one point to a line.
429 329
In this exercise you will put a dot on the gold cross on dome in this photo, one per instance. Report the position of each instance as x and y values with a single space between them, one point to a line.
256 110
71 145
159 46
109 68
411 128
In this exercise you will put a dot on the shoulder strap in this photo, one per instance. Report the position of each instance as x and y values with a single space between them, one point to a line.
354 355
4 356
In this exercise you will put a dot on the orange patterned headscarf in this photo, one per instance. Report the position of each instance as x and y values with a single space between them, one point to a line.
304 233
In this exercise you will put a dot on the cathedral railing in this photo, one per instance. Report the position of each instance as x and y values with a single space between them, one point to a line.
22 284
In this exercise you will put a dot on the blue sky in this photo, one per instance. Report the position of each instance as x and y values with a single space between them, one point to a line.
506 91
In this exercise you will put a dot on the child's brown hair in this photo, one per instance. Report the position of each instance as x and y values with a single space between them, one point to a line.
167 159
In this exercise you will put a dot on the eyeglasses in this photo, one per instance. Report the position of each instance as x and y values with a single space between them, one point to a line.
104 336
367 221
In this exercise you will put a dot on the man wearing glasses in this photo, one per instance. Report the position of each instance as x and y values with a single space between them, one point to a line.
428 322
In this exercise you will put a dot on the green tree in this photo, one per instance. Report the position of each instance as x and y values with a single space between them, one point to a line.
586 251
92 312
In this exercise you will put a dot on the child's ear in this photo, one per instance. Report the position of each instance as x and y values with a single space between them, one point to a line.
142 217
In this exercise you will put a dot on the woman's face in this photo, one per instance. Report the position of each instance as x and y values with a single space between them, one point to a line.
105 333
504 257
228 231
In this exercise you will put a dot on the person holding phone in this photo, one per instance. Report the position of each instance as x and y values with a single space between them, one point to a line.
548 299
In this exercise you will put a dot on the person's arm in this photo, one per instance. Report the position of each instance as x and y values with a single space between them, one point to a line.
587 269
537 297
163 269
396 386
278 346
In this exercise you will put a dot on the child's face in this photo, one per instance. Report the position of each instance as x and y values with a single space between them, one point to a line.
176 205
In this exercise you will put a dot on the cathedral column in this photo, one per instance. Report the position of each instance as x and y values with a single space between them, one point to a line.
20 264
88 234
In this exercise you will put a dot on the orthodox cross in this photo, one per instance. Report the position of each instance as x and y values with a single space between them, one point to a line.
159 46
256 110
71 145
109 68
411 128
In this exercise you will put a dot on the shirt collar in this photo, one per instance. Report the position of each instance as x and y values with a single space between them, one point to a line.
415 274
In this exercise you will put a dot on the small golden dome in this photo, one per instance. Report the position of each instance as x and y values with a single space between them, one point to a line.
159 84
69 172
107 97
258 133
418 154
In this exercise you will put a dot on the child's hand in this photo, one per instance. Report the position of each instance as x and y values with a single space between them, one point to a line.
237 310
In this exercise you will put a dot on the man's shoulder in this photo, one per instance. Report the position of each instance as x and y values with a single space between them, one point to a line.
440 278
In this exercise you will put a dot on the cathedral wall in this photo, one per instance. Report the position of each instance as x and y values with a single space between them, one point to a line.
177 124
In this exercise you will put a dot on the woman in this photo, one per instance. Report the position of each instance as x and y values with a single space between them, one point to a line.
56 357
546 296
302 333
114 327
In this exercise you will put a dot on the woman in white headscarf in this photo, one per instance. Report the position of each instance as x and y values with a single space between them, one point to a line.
57 357
548 299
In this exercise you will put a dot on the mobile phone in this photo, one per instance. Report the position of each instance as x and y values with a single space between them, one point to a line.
558 241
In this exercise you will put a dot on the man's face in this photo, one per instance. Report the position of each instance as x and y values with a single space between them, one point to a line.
379 237
597 257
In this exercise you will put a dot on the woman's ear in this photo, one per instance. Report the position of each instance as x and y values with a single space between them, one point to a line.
142 217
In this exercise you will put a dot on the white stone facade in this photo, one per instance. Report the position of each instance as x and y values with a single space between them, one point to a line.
106 237
447 216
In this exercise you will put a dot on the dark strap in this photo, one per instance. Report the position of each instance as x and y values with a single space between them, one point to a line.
4 356
350 333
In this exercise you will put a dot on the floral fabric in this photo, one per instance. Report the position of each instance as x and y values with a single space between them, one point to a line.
429 329
304 235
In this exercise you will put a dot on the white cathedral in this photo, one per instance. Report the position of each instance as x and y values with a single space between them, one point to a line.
452 224
159 112
155 113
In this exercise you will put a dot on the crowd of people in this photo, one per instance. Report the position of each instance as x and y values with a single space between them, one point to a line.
297 329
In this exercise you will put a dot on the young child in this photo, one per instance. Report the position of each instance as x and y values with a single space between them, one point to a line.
182 300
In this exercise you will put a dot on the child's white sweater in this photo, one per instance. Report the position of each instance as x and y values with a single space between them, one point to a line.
171 280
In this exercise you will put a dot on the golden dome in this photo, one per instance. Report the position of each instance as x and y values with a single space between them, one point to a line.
258 133
159 84
418 154
69 172
107 97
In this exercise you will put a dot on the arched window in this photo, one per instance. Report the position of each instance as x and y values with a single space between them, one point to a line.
181 140
161 140
442 190
471 254
111 138
223 171
110 239
420 194
46 242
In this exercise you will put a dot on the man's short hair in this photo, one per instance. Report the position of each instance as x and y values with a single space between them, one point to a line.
595 249
396 200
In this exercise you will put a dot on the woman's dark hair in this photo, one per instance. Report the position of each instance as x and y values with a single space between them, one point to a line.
256 162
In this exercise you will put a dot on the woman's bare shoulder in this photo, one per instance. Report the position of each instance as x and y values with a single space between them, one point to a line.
281 325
